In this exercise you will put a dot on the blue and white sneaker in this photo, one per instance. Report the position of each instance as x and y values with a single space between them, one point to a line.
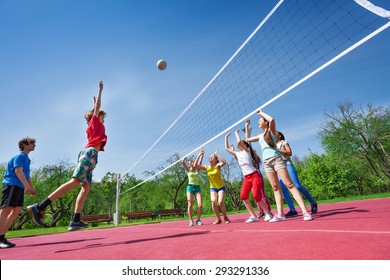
35 215
77 225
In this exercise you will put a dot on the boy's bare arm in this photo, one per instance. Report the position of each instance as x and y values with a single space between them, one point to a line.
98 100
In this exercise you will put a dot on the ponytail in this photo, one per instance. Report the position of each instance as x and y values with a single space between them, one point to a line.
255 157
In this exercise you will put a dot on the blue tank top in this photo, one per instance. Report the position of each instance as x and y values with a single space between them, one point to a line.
268 152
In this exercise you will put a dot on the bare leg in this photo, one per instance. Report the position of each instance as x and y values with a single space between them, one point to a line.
190 199
273 179
249 206
63 189
200 206
82 197
295 192
214 203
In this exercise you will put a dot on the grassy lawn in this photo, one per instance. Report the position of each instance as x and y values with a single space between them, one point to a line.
40 231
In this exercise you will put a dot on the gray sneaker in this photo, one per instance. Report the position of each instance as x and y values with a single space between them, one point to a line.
77 225
35 214
199 222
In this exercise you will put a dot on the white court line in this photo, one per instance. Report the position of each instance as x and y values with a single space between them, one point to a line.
270 230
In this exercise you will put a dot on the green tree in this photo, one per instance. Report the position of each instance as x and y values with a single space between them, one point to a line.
45 180
232 176
361 135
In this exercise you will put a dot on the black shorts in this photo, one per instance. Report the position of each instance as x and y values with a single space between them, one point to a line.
12 196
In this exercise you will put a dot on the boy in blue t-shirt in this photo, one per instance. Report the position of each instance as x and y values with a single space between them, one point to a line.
16 181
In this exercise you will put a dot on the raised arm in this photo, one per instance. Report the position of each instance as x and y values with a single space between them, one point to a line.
270 120
185 164
229 149
222 160
98 100
238 138
199 158
198 163
248 137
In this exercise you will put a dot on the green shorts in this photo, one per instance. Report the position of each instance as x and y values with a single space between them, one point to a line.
193 189
87 161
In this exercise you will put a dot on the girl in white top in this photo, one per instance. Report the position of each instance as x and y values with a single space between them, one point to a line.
252 179
275 166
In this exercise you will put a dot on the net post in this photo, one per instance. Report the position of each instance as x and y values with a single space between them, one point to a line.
117 216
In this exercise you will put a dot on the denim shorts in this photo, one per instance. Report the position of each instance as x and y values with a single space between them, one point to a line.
218 190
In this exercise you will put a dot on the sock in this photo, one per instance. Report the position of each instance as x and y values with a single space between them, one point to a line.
77 217
2 237
43 204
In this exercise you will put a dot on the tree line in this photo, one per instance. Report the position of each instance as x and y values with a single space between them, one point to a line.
356 161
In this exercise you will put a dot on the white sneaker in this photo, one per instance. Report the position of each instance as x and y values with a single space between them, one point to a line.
277 218
307 217
252 219
268 217
191 223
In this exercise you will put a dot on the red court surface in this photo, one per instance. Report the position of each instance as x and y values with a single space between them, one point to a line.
356 230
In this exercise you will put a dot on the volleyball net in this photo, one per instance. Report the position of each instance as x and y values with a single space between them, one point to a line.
295 41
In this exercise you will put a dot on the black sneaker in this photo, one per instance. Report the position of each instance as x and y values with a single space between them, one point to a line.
9 243
4 245
77 225
291 213
261 214
314 208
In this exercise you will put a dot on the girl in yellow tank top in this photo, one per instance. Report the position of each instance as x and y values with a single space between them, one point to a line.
217 185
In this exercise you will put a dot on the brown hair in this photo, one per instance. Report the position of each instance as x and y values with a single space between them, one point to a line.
88 115
268 137
24 142
255 157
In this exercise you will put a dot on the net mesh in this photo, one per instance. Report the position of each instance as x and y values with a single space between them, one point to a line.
296 39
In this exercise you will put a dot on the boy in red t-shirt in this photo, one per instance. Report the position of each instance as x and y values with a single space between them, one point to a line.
87 161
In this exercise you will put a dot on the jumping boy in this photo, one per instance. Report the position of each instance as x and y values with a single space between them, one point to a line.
87 161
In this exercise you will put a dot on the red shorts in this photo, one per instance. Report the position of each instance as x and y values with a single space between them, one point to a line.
254 182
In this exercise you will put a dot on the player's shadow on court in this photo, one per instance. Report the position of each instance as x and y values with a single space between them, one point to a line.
99 245
335 212
61 242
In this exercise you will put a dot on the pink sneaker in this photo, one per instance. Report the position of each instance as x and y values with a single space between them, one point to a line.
307 217
277 218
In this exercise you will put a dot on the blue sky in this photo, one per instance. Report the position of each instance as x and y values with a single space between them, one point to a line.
53 53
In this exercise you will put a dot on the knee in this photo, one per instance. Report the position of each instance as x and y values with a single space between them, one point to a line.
290 186
275 187
86 188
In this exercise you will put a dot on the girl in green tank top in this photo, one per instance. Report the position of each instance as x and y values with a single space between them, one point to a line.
193 187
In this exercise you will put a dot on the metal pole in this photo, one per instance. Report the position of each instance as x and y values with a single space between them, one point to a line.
118 189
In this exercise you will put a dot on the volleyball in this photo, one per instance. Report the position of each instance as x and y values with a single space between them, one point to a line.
161 64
